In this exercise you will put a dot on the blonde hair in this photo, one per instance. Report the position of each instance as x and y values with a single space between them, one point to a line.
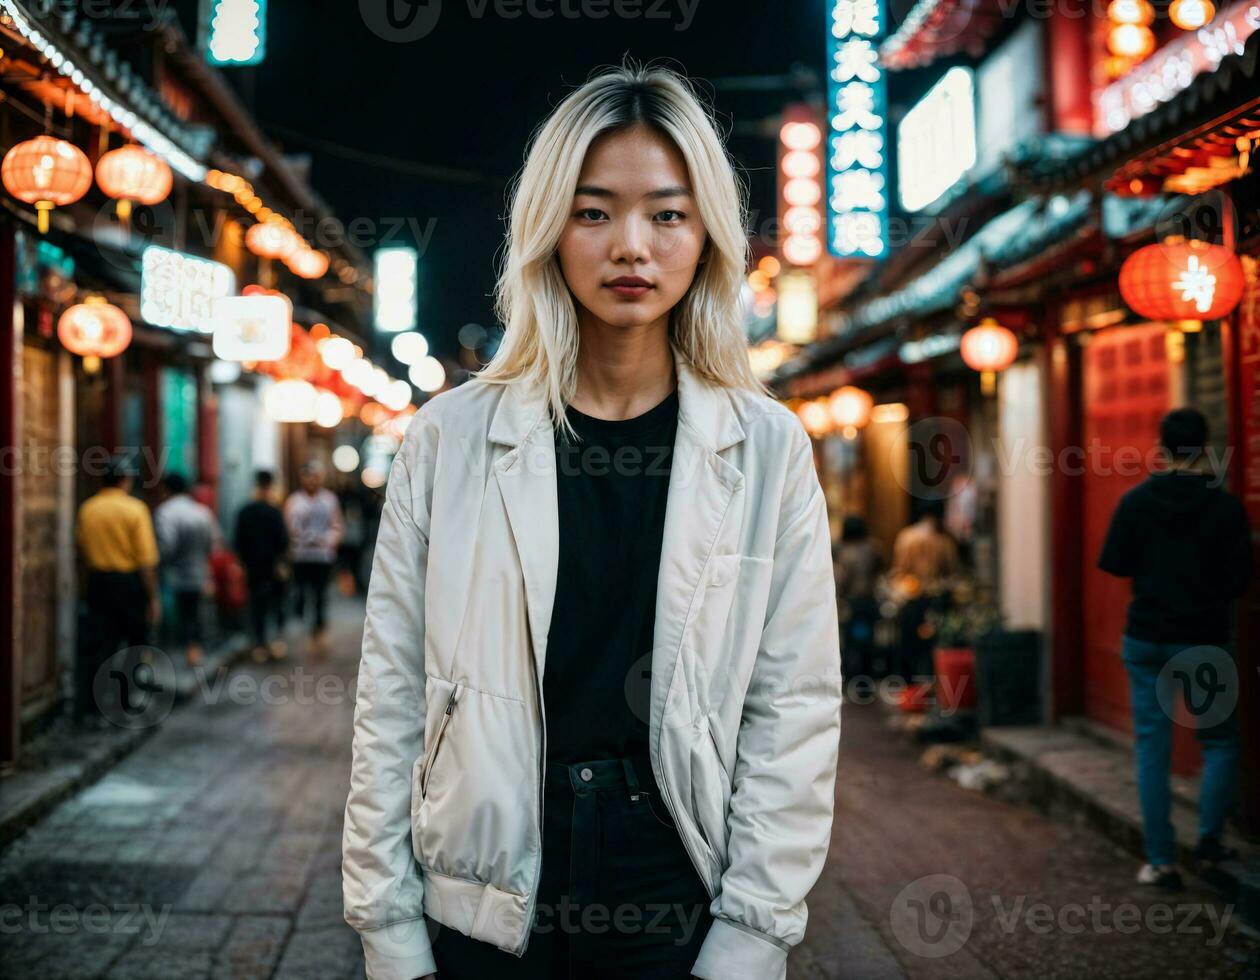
540 343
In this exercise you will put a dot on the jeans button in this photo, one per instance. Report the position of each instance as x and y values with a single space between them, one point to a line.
586 774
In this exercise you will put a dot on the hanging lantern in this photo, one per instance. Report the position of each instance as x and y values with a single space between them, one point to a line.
291 400
308 263
1182 280
272 240
1130 41
1190 15
816 417
46 172
94 329
1138 12
133 174
850 409
988 348
328 410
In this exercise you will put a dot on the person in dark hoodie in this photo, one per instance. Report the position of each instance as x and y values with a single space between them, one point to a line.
1185 543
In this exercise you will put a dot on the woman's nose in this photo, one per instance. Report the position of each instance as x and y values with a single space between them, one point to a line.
631 241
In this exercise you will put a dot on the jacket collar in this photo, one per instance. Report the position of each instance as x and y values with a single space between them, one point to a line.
703 406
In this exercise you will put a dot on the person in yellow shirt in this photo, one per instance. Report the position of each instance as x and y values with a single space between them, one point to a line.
116 539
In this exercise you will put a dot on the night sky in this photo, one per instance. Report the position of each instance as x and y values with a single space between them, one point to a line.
467 96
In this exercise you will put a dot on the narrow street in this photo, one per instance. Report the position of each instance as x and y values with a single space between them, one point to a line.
213 851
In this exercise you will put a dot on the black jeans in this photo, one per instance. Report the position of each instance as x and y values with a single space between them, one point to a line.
116 615
618 897
187 616
264 604
311 577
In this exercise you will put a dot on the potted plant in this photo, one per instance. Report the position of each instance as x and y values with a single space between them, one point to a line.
957 630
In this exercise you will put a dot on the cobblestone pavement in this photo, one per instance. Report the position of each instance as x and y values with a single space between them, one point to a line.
213 851
929 881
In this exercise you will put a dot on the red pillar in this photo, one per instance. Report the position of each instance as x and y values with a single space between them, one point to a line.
1062 371
1069 106
10 475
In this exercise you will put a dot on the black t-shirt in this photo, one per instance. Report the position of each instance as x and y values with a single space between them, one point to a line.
1186 545
611 489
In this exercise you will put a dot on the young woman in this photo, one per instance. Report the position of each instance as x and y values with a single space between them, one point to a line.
598 706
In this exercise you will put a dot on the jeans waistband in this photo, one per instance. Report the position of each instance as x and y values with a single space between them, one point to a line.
632 774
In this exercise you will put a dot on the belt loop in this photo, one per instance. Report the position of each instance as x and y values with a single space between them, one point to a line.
632 781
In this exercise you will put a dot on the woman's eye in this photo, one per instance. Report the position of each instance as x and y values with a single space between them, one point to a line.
590 214
670 217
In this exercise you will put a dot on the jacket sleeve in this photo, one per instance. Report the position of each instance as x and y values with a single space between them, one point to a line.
787 749
1119 551
382 888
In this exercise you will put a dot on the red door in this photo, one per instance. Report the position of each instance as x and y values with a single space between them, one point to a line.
1126 392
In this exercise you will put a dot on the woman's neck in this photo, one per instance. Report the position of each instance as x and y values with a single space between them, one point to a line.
622 371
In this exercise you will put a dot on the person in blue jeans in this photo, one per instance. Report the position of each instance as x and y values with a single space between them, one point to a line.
1186 545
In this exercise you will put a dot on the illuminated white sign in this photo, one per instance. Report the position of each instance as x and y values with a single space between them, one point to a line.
178 290
857 204
235 31
797 308
252 328
936 142
396 282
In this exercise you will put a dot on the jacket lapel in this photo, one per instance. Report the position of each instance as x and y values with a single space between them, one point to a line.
527 483
701 488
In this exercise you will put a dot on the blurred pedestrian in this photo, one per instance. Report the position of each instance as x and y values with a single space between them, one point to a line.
315 525
858 564
186 533
925 561
1186 545
262 545
116 539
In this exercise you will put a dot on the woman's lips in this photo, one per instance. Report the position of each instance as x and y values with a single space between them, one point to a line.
629 290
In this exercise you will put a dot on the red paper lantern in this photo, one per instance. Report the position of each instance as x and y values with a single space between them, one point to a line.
132 173
1183 280
988 348
46 172
94 329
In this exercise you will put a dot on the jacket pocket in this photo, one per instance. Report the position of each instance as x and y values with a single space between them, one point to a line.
431 757
710 795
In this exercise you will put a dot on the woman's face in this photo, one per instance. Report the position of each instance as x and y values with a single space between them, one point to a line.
633 240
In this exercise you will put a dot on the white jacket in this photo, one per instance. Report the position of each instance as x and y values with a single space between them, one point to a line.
444 811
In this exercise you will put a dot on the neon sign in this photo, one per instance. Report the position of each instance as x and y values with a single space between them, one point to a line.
857 193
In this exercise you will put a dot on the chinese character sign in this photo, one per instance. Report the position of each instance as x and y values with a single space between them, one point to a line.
857 201
177 290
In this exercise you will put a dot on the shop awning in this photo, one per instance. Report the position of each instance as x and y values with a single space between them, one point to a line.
1016 236
1198 128
940 28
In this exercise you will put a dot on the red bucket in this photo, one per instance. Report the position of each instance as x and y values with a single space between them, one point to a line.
955 678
